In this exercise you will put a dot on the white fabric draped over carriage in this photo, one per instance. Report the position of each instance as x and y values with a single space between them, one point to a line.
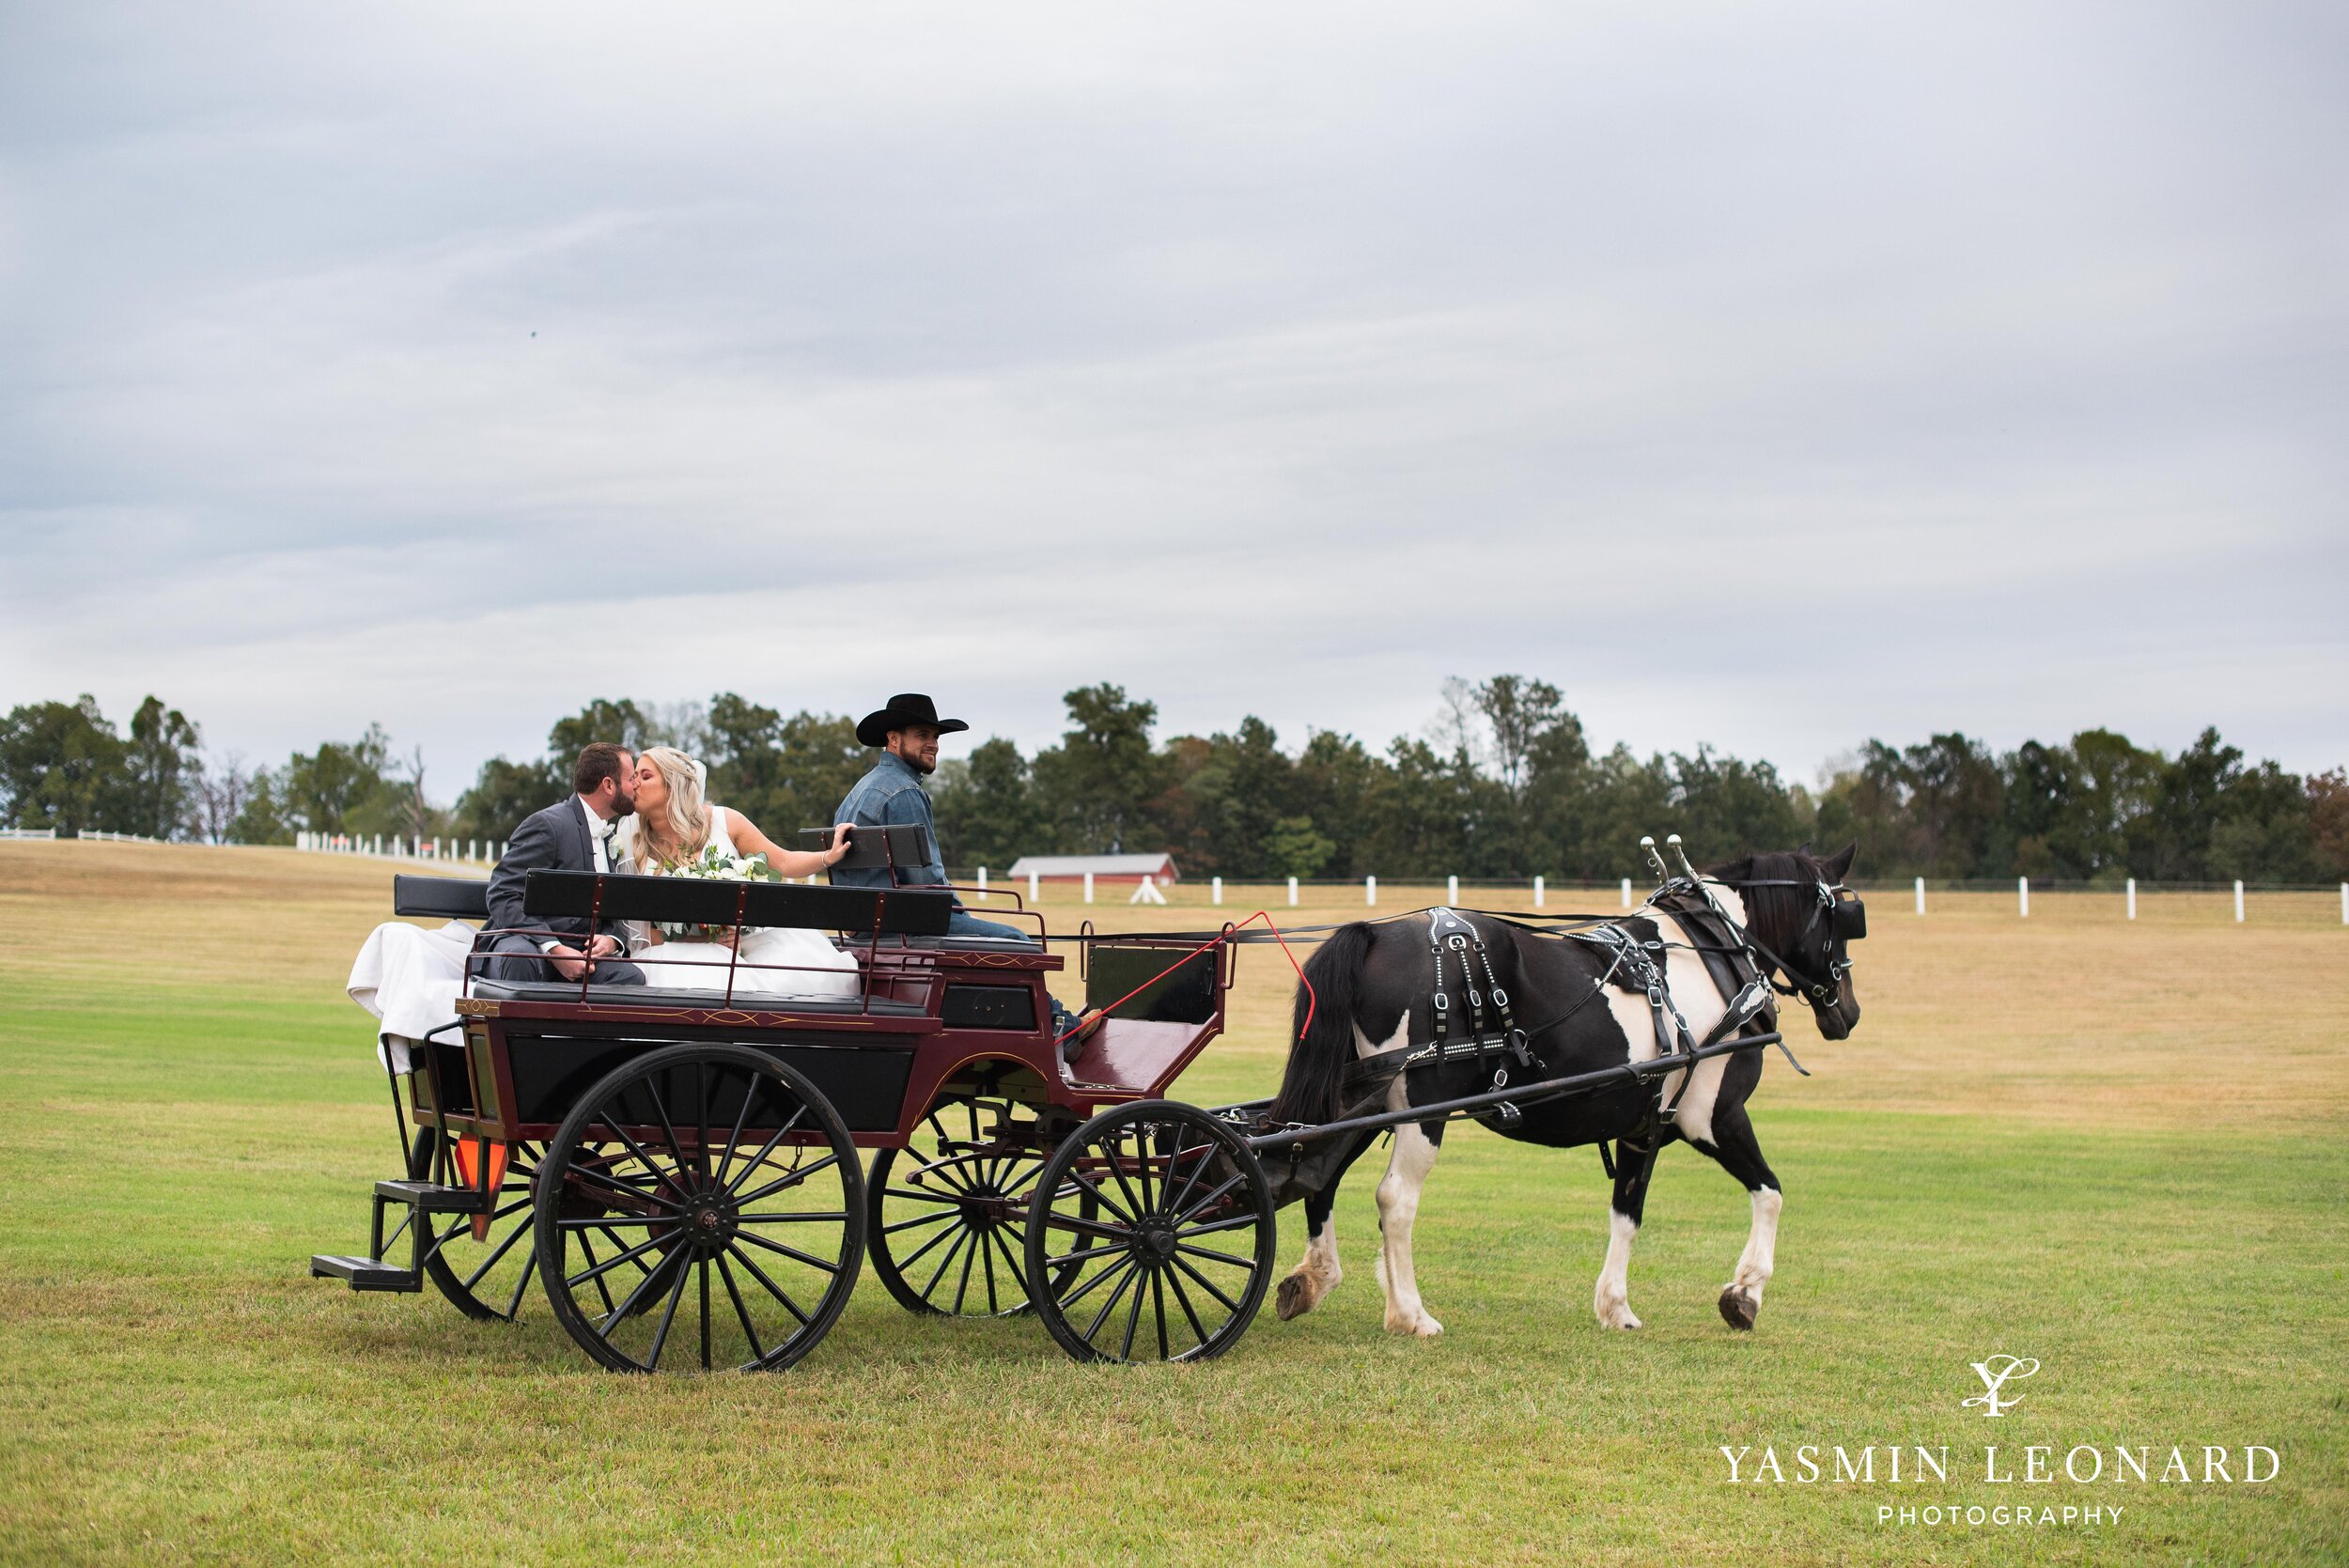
410 976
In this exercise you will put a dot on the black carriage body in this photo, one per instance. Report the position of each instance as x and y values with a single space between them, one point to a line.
936 1018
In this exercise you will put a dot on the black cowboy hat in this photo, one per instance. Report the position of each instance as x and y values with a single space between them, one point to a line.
905 711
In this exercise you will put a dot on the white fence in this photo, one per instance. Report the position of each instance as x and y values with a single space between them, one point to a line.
447 851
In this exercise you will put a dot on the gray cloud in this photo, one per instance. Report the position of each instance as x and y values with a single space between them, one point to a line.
1775 379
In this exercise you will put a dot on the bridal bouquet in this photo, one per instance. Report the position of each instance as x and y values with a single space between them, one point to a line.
716 866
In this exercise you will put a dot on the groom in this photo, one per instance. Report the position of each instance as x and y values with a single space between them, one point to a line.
571 835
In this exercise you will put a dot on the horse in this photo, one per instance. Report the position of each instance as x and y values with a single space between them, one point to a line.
1370 989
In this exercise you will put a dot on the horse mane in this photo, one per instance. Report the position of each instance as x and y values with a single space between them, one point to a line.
1776 914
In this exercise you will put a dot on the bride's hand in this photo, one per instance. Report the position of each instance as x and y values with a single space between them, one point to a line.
839 849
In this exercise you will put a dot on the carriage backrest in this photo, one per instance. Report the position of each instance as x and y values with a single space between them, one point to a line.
449 897
685 900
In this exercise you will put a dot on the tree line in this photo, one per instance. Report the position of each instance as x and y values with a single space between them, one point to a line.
1503 784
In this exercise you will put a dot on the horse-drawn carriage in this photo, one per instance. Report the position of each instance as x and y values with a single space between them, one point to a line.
682 1171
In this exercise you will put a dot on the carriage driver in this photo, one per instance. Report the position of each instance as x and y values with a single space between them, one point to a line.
890 795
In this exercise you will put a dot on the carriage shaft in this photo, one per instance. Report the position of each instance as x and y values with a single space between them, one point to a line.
1519 1094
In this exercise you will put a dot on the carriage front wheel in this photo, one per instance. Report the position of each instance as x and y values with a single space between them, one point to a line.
1152 1225
702 1203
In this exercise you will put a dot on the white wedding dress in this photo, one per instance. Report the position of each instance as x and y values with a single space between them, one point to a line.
817 967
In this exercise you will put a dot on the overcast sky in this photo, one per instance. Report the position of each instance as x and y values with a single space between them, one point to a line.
1772 376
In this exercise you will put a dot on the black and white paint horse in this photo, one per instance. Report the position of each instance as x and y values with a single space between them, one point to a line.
1372 989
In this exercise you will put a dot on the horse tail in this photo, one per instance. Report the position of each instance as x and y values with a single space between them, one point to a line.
1320 1051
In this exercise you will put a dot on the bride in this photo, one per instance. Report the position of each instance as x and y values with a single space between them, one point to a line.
673 826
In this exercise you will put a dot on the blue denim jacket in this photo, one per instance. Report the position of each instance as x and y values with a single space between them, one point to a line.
890 796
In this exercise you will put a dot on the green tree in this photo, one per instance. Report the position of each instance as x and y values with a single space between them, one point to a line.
507 792
2264 833
2172 842
600 719
1100 779
985 807
62 766
161 765
341 787
2328 822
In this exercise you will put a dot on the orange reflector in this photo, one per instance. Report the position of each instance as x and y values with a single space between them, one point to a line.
469 1167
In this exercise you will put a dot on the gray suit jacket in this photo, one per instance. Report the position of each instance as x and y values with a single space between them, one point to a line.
555 838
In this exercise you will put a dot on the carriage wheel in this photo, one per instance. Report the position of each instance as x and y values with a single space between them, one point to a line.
946 1215
1153 1223
484 1268
703 1203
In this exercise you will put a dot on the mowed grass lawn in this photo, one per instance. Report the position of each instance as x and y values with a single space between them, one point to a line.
2115 1148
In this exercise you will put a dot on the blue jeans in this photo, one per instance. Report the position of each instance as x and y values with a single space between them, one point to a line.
965 923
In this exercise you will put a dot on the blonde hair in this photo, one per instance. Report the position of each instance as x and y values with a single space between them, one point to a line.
686 821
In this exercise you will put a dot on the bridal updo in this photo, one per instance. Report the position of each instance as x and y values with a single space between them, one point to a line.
683 826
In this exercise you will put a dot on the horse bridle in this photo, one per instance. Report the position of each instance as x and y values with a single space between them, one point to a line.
1846 918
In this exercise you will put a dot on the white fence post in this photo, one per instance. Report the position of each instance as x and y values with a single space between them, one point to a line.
1215 890
2022 894
1451 890
2344 903
1920 895
1035 886
1537 892
2238 901
1088 887
1292 892
2132 898
1627 893
982 884
1370 892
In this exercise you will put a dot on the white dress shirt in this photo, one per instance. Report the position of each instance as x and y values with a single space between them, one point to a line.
598 840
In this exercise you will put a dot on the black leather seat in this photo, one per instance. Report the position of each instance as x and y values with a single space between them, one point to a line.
655 996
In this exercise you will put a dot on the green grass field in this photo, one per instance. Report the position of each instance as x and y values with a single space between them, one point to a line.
2117 1149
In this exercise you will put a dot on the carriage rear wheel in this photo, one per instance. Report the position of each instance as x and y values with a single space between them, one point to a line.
1153 1224
945 1217
703 1203
482 1263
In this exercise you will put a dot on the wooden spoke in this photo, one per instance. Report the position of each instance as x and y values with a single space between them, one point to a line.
961 1189
1098 1296
638 1165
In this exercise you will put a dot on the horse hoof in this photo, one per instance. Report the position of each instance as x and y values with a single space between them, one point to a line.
1422 1327
1296 1298
1738 1309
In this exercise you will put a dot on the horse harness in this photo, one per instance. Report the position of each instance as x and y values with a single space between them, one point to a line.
1635 964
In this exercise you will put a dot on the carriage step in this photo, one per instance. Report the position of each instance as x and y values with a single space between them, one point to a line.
431 1198
364 1273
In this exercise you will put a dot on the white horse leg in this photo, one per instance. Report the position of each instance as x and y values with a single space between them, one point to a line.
1317 1273
1612 1299
1398 1204
1741 1298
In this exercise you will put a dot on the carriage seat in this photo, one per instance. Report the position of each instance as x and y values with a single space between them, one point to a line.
659 995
